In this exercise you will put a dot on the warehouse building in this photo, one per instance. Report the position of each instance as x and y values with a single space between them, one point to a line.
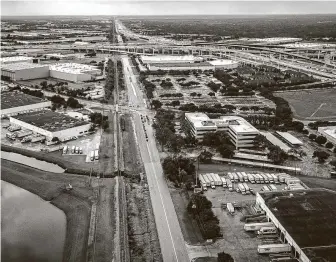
165 59
289 139
13 103
24 71
15 59
305 220
329 132
51 124
74 72
241 132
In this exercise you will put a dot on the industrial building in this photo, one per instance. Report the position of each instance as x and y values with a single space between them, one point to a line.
51 124
15 59
305 219
241 132
329 132
74 72
159 59
13 103
60 56
24 71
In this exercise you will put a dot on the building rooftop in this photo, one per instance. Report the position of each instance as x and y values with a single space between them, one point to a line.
20 66
180 64
16 99
290 138
276 141
14 59
329 130
309 218
239 124
74 68
222 62
169 58
50 121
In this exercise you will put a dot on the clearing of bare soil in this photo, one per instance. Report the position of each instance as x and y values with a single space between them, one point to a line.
76 203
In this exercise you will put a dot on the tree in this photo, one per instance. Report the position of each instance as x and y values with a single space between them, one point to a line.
320 140
55 139
226 151
193 94
156 104
73 103
211 94
260 141
321 156
329 145
224 257
244 108
277 155
175 103
312 136
205 157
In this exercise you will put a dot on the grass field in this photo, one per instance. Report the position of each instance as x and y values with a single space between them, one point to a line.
312 104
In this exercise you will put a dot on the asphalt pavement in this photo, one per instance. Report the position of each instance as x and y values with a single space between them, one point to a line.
172 244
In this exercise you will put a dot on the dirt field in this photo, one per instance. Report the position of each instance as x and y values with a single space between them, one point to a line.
321 104
76 204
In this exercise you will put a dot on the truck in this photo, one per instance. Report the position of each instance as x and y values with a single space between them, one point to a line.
202 182
230 208
265 188
273 187
274 248
245 177
230 186
247 189
81 150
65 149
266 181
291 181
212 181
206 179
77 150
92 155
231 177
11 136
73 148
296 187
97 147
38 139
275 178
257 226
270 178
240 177
267 230
256 178
261 178
282 177
218 180
14 128
22 133
223 181
251 178
26 139
241 188
235 176
96 154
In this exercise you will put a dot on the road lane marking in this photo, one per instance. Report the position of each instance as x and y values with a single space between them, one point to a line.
164 209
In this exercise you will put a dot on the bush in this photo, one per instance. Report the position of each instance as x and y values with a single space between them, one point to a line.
312 136
321 140
329 145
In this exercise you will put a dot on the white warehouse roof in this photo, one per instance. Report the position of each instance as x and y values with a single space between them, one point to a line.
169 58
21 66
222 62
290 138
14 59
74 68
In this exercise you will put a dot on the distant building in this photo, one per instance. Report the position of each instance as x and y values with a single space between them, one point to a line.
74 72
15 59
329 132
60 56
170 59
14 103
24 71
241 132
51 124
305 220
290 139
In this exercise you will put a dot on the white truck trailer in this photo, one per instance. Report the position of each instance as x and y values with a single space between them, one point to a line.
202 182
266 181
223 181
261 178
241 188
247 189
92 156
230 208
270 178
245 177
229 185
240 177
267 230
274 248
231 177
256 178
292 181
235 176
257 226
282 177
273 187
96 154
65 149
206 179
212 182
218 180
251 178
275 178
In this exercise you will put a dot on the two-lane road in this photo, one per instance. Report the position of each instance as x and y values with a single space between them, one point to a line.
172 244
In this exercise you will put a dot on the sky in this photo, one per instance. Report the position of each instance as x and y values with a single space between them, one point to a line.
160 7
